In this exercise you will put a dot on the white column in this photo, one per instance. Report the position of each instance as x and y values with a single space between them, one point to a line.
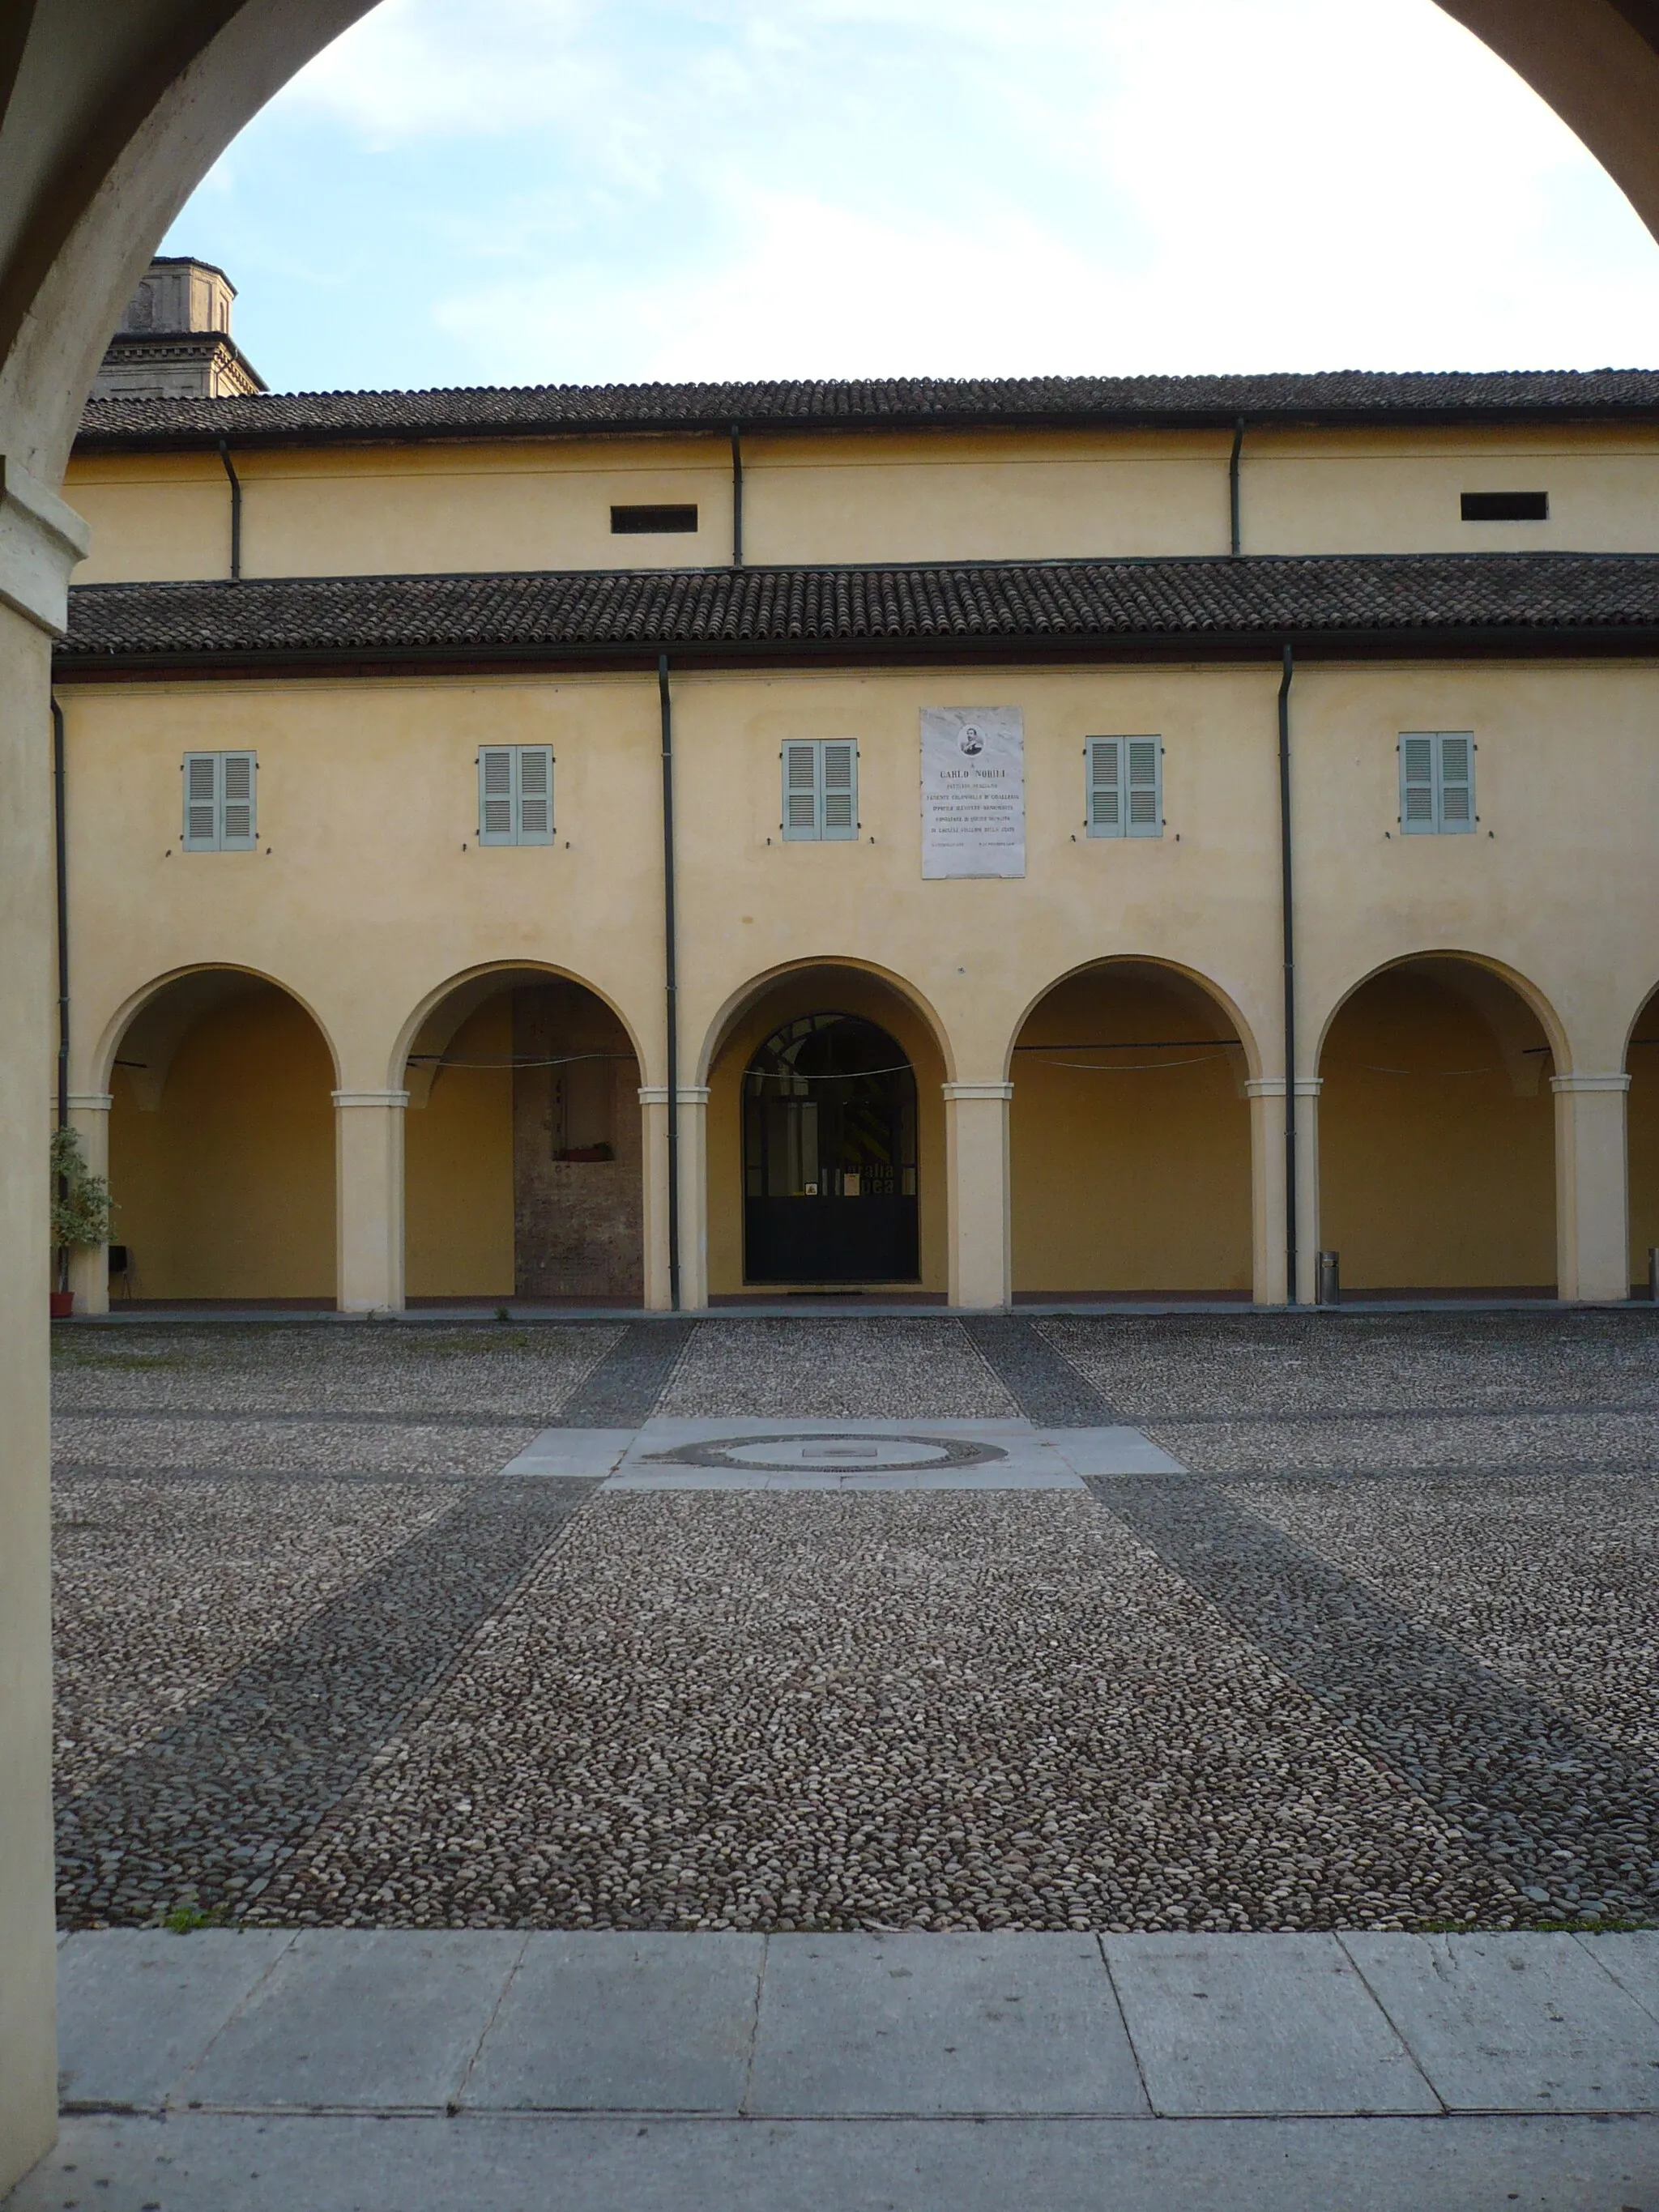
88 1274
40 541
1592 1208
976 1181
693 1195
368 1199
1267 1247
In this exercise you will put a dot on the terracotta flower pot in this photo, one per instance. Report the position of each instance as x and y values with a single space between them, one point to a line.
63 1304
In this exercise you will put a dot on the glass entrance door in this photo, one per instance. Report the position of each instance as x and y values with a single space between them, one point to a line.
829 1156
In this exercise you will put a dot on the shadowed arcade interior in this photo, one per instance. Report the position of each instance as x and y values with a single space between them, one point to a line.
222 1143
1642 1064
1130 1140
1437 1134
522 1172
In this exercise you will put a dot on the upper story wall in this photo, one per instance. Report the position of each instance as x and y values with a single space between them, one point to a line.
855 497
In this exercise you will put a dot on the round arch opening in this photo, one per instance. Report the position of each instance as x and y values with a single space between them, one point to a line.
1642 1106
1436 1134
522 1149
221 1146
1130 1140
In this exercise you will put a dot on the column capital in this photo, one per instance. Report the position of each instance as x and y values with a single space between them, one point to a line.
691 1094
1273 1086
40 541
90 1102
382 1099
1571 1083
958 1093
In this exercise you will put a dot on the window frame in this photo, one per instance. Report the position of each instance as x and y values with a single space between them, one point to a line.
823 831
1123 784
516 834
220 841
1437 823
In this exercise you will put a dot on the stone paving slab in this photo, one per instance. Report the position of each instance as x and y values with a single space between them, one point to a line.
359 2020
137 2006
617 2024
933 2024
590 1452
1632 1958
1514 2023
1228 2026
1026 1457
201 2162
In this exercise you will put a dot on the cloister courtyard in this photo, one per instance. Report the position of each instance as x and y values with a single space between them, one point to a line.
1173 1622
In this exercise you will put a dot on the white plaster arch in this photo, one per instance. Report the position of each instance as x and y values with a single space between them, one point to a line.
1494 1008
749 995
156 1019
1212 990
431 1027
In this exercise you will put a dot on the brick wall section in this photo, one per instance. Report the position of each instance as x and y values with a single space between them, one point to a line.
577 1224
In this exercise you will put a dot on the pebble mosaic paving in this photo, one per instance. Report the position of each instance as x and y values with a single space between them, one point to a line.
425 1626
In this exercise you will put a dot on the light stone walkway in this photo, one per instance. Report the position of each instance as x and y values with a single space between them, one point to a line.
389 2072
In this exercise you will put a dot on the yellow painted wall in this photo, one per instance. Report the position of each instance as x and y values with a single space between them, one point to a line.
1129 1181
1017 494
1437 1139
227 1191
458 1168
821 990
1642 1103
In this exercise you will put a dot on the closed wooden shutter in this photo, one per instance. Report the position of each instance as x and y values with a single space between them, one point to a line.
1105 786
1417 813
236 817
201 802
800 789
1457 792
1145 793
495 795
839 777
535 765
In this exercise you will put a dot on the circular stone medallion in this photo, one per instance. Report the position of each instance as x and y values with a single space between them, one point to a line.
830 1451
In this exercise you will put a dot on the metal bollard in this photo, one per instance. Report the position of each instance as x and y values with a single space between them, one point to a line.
1330 1278
1653 1273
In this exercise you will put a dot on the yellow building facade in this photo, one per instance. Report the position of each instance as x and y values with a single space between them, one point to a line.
344 1041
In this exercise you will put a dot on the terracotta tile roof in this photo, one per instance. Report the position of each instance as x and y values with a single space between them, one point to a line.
1517 602
1194 402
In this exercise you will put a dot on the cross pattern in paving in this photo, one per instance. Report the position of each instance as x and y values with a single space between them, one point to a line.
1189 1625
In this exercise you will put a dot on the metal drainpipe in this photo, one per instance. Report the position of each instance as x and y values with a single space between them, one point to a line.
737 494
671 980
1288 914
1232 486
60 825
235 513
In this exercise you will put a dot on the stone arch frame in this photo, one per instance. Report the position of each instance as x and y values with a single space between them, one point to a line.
133 1008
1526 990
1253 1065
749 995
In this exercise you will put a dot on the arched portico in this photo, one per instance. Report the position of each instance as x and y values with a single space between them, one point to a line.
1131 1143
220 1124
1642 1139
1438 1115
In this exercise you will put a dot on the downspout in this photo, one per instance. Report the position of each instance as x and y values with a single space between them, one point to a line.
670 982
235 513
60 825
737 496
1232 486
1287 910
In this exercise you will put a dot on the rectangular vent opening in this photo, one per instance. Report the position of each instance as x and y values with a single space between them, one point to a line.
1506 507
651 521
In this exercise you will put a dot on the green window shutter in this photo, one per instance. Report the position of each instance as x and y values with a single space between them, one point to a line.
201 802
495 808
1457 781
236 813
839 776
535 767
1105 786
1145 787
1417 814
800 788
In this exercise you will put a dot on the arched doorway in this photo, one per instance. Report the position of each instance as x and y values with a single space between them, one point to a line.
829 1155
1129 1139
1436 1134
1642 1105
522 1159
221 1145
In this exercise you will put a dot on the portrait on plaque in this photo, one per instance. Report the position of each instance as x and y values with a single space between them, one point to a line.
973 791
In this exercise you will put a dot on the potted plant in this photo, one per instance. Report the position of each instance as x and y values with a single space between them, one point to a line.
80 1211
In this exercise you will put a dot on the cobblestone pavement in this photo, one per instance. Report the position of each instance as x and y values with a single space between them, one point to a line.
1385 1659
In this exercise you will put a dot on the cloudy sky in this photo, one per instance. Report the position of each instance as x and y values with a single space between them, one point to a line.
471 191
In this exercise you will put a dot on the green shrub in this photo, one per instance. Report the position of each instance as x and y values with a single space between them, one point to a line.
81 1206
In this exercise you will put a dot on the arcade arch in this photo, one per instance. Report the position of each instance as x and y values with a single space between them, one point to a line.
1130 1138
1437 1131
1642 1138
222 1143
522 1143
